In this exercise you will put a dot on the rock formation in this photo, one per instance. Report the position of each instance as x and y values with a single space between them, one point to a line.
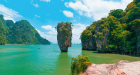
123 67
119 32
88 41
102 35
64 35
95 36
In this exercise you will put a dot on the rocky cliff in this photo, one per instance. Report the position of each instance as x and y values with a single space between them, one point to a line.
88 40
117 33
95 36
102 33
3 30
64 36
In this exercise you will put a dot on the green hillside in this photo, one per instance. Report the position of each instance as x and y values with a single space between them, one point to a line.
21 32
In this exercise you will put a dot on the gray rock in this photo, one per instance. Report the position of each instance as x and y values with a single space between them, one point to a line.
89 44
101 42
64 36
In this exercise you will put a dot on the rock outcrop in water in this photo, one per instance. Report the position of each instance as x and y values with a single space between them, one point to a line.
102 33
64 36
117 33
88 41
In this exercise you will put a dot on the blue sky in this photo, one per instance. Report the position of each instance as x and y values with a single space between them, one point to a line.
45 14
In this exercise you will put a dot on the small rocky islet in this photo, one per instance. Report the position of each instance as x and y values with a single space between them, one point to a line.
64 35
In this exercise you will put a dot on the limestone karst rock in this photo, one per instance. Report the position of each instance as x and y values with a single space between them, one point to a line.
64 36
88 41
102 36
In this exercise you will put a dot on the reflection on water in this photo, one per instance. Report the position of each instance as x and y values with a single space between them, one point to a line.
63 64
48 60
64 60
29 60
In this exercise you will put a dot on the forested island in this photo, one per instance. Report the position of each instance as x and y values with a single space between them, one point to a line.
20 32
118 33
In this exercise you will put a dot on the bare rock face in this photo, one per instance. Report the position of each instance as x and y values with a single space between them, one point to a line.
102 36
95 36
123 67
64 36
89 43
87 39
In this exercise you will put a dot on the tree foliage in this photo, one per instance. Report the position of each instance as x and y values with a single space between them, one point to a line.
79 65
21 32
123 28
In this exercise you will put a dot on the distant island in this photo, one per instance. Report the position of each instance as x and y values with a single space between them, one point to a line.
20 32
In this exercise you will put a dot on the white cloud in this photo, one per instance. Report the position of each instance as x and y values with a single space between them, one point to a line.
37 16
47 27
50 28
62 0
36 5
80 12
66 4
49 37
96 9
68 13
45 0
8 13
76 32
8 18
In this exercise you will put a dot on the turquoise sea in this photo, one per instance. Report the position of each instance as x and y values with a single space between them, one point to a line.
29 60
48 60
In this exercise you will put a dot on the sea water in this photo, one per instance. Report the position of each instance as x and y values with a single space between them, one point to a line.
36 59
48 59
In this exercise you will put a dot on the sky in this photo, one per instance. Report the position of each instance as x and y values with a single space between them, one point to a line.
44 15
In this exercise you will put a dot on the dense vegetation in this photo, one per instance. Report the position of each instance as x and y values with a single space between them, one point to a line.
64 29
21 32
79 65
123 28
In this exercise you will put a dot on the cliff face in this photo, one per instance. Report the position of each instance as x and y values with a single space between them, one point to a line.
102 33
118 33
64 36
88 43
95 36
3 31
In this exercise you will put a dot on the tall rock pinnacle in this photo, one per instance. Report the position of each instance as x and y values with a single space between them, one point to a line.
64 36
